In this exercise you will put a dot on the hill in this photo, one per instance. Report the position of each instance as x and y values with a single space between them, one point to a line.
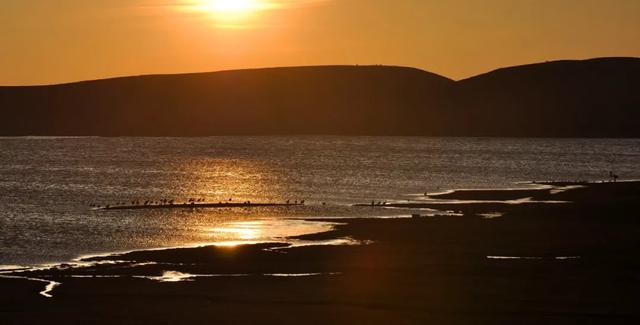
301 100
591 98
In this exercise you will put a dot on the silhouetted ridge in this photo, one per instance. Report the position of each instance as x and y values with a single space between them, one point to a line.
592 98
598 97
300 100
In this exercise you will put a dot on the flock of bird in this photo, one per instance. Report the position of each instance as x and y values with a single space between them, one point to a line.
172 202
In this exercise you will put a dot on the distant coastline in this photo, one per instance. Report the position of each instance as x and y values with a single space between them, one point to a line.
587 98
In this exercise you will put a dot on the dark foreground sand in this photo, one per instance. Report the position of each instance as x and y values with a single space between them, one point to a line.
583 268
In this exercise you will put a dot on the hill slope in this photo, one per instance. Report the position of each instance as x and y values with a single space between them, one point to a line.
599 97
593 98
304 100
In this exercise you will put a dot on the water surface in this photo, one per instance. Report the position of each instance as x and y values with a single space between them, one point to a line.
47 184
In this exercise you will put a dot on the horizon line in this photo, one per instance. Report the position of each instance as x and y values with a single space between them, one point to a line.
160 74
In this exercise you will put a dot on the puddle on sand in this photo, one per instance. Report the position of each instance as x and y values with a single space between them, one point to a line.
175 276
172 276
491 215
494 257
48 289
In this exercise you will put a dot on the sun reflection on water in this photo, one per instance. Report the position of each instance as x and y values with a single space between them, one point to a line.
218 180
267 230
243 230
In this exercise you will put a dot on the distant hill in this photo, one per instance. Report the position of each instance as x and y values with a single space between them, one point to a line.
301 100
599 97
590 98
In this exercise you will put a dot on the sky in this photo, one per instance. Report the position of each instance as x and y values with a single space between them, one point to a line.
56 41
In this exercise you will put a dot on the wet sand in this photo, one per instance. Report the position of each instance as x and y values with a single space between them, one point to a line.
582 266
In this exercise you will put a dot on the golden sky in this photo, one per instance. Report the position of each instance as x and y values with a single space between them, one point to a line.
52 41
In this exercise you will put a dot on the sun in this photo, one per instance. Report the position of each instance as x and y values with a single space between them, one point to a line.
232 13
231 7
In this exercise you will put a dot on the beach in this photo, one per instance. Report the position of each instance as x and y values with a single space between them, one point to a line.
319 162
571 261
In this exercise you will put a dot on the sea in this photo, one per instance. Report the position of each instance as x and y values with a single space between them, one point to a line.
49 186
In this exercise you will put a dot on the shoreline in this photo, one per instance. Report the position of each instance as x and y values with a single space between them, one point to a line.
442 204
549 263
